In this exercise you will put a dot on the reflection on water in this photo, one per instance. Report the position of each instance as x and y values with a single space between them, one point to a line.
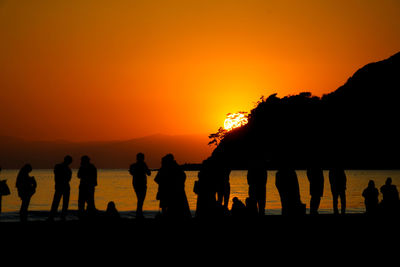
116 185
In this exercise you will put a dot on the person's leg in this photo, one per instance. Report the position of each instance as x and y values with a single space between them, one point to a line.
24 208
317 203
55 203
227 194
82 200
314 204
343 202
335 202
141 195
65 196
220 197
91 207
261 199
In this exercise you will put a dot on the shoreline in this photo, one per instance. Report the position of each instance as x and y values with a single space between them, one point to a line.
39 218
42 215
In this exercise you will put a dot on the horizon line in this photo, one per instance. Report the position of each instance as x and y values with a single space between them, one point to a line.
103 140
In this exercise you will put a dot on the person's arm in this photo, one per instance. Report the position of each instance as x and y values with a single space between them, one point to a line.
95 175
56 173
55 170
148 172
158 177
131 169
79 173
33 181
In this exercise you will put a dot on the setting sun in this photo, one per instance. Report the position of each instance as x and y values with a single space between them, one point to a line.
235 120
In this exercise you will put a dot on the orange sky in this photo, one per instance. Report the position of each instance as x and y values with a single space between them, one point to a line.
101 70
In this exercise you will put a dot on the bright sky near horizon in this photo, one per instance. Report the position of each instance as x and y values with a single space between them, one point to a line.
107 70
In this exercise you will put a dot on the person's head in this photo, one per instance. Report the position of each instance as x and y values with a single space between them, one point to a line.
111 206
388 181
371 184
235 200
68 159
27 168
140 157
85 159
167 160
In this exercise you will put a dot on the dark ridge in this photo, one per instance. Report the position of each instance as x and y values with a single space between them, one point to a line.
354 126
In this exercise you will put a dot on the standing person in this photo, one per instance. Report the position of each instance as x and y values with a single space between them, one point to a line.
205 188
315 176
370 195
257 181
171 191
139 172
26 186
62 177
390 197
338 180
87 173
223 186
288 187
238 209
4 190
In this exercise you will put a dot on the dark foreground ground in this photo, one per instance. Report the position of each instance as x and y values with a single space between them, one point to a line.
314 240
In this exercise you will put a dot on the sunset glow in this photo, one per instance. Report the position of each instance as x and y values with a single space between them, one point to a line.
101 70
235 120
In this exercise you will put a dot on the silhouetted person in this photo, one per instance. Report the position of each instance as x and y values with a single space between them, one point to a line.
139 172
371 200
2 183
288 187
223 186
257 181
390 197
238 209
251 208
315 176
62 177
338 180
171 191
26 186
87 173
112 213
205 188
4 190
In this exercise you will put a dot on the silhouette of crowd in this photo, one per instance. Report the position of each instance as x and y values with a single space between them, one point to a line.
212 189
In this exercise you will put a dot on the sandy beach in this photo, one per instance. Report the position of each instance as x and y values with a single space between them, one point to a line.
321 226
310 240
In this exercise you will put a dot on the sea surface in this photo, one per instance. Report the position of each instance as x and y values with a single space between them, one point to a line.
116 185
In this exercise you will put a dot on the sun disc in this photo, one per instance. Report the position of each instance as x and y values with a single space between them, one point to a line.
235 120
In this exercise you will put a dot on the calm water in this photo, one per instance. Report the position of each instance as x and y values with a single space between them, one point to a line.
116 185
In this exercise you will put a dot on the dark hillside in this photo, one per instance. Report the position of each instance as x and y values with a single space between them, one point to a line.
355 126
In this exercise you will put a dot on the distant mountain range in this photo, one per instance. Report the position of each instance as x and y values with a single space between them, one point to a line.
356 126
15 152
